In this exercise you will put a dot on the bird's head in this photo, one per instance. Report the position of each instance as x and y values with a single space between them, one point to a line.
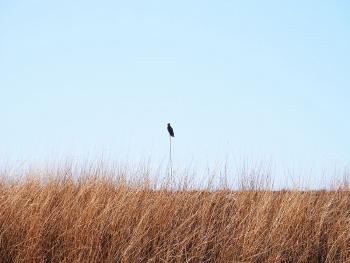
168 124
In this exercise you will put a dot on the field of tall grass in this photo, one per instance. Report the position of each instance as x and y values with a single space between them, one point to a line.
91 216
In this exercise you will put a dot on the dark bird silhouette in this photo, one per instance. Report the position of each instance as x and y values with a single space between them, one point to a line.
170 130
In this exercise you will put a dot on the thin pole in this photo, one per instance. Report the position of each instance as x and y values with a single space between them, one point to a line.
171 162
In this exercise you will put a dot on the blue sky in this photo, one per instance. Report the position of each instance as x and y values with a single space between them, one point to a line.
262 80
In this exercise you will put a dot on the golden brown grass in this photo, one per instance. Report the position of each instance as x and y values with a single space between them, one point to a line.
98 219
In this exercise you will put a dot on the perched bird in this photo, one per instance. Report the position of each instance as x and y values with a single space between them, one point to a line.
170 130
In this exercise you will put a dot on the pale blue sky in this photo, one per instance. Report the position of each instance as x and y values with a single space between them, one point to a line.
263 79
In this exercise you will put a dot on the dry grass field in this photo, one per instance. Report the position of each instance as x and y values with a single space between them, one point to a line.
97 219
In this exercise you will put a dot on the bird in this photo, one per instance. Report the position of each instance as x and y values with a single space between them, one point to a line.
170 130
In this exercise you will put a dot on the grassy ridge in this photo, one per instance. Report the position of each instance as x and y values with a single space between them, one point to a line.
100 220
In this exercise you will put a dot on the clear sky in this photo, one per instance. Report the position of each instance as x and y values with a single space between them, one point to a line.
264 80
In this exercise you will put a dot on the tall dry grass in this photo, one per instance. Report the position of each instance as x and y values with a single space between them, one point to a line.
98 219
